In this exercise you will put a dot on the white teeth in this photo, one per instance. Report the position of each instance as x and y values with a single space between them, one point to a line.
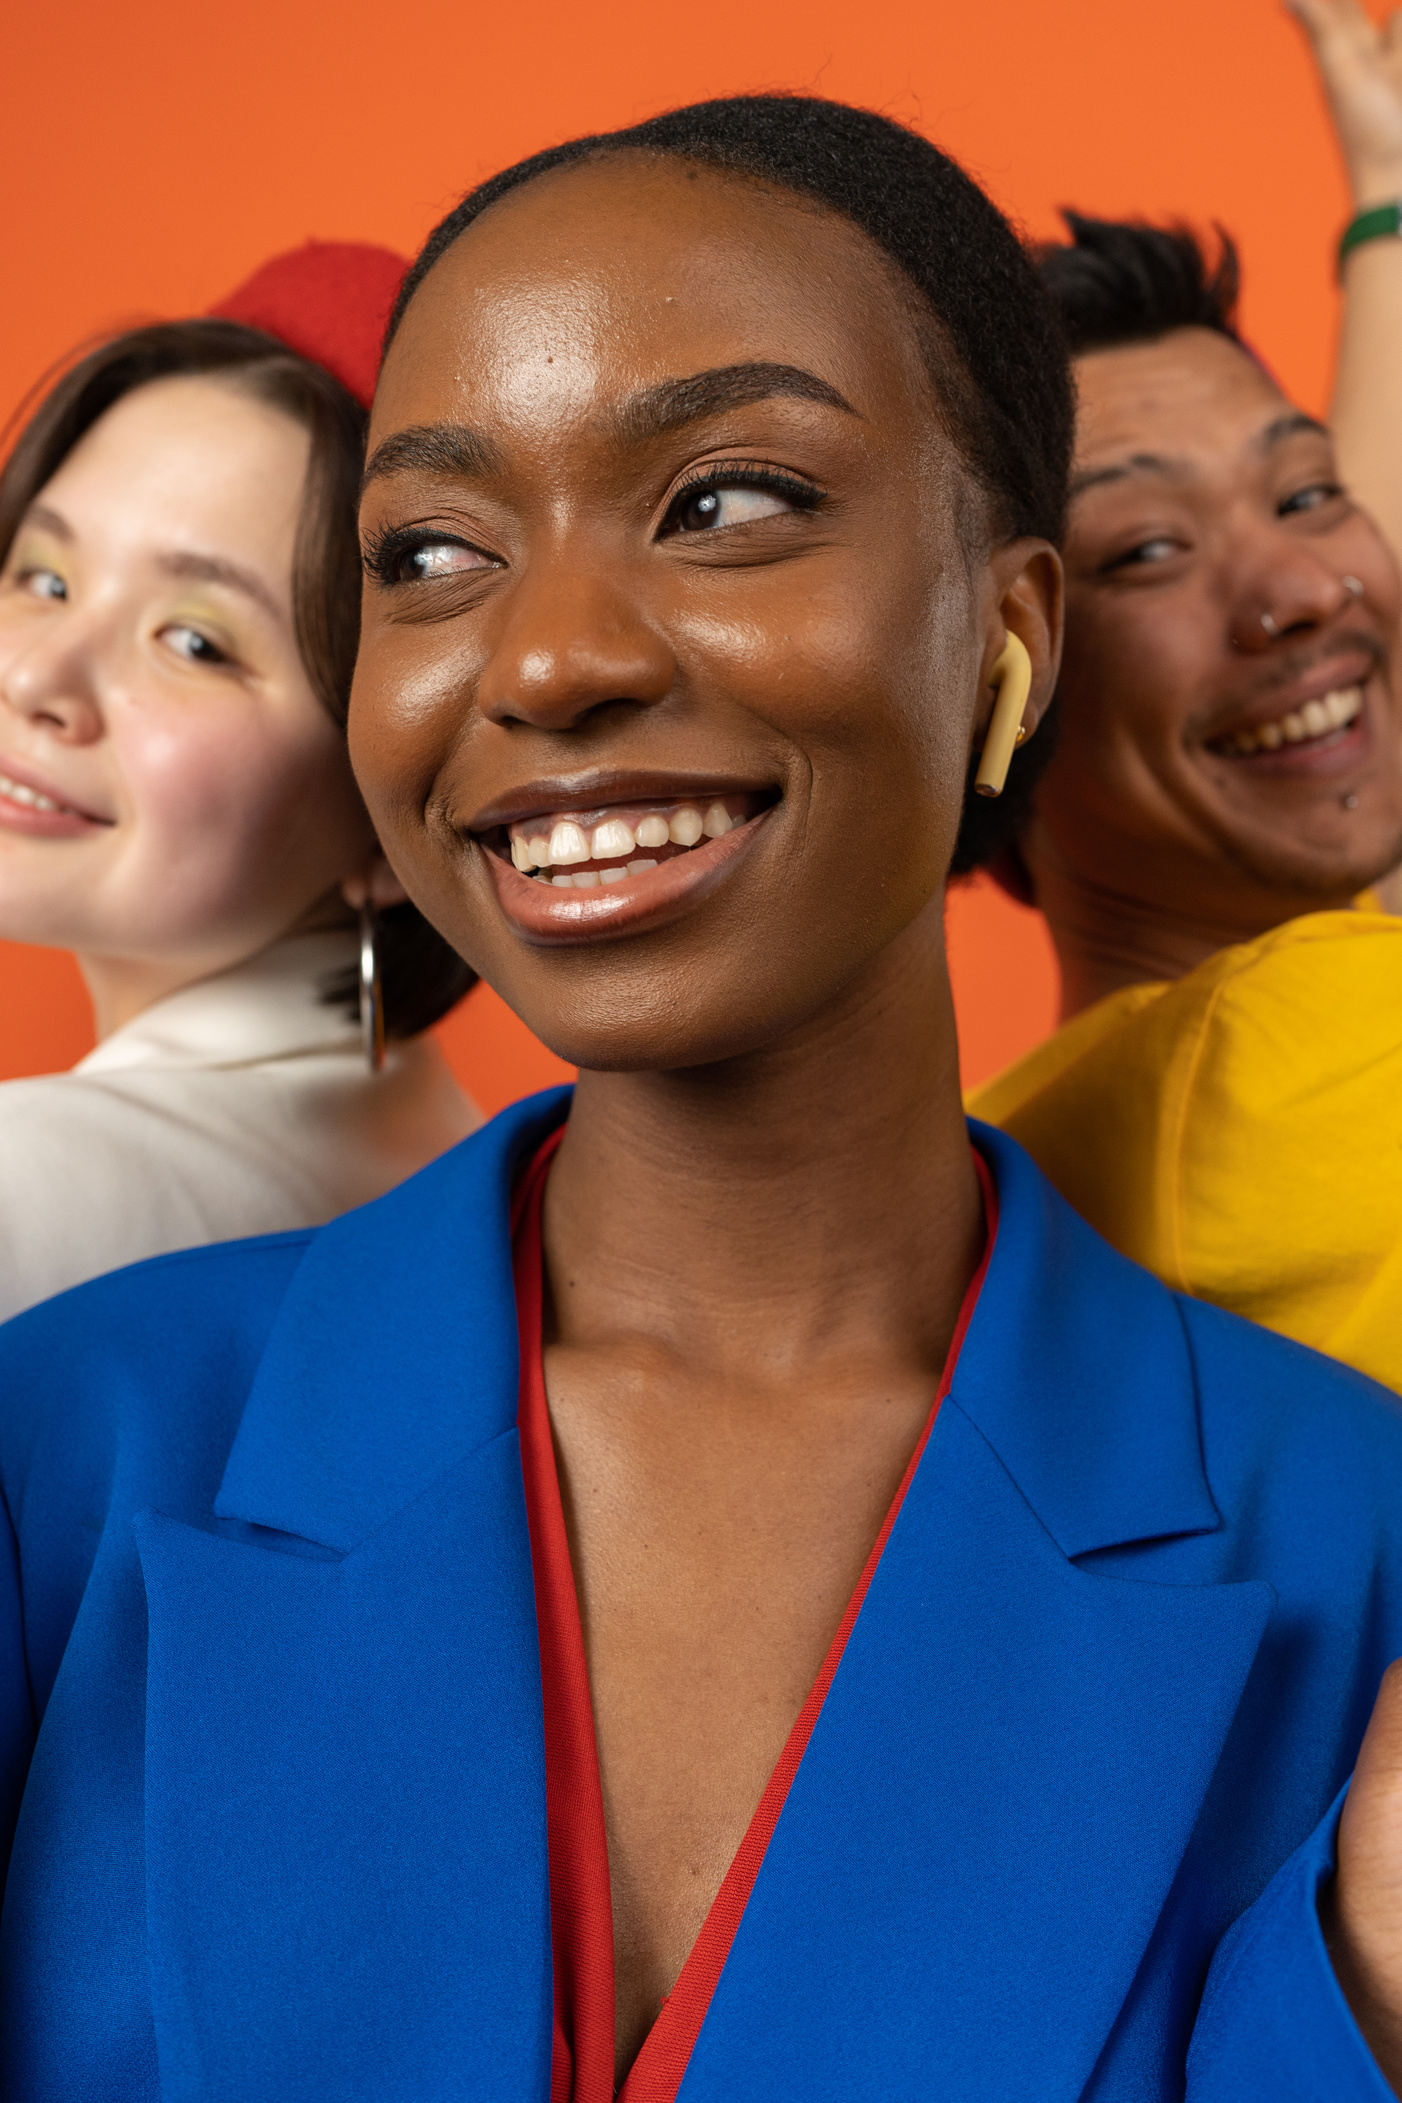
568 844
612 840
18 793
1313 719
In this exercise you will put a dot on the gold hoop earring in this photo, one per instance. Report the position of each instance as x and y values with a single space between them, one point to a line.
372 1007
1006 731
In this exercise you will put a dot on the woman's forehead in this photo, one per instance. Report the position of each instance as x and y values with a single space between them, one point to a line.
611 275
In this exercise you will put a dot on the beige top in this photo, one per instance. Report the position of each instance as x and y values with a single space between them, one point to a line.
240 1105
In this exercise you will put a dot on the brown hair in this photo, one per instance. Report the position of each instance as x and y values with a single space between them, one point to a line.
421 976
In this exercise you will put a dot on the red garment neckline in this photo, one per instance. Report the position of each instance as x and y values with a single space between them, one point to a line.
581 1909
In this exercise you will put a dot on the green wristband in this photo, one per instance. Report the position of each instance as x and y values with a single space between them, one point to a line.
1378 223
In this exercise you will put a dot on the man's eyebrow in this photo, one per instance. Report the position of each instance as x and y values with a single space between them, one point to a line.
1290 426
434 449
1121 470
214 569
673 403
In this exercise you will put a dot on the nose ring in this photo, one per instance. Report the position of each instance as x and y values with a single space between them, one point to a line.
1353 586
1268 623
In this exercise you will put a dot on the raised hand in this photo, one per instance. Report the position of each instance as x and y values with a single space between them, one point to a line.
1362 1912
1360 64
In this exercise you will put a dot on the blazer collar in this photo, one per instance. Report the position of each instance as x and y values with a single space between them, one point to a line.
394 1354
1063 1326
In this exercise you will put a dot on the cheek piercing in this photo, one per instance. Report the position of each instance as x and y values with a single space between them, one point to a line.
1349 803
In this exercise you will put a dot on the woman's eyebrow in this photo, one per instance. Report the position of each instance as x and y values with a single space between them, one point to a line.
444 449
672 403
48 521
456 449
213 569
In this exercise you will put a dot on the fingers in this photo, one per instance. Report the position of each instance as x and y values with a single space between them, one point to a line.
1380 1755
1324 15
1345 20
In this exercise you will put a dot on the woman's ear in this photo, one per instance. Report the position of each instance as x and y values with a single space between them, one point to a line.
375 883
1029 598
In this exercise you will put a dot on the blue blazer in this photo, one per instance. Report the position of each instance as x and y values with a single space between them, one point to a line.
271 1708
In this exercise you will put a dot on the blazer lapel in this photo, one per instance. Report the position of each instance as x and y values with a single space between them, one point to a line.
346 1875
1013 1753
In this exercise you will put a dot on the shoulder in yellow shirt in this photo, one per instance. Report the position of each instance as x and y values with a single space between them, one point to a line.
1240 1130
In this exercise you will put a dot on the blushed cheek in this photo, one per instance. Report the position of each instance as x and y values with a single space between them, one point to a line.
217 810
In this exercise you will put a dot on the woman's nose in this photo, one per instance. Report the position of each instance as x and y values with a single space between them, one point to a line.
572 642
51 679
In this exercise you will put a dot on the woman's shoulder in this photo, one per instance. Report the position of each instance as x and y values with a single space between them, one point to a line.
177 1329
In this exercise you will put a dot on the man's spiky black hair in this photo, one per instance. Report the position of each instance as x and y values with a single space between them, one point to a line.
1121 281
995 349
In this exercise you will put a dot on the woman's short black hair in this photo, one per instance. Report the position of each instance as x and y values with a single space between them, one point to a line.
1120 281
421 976
996 352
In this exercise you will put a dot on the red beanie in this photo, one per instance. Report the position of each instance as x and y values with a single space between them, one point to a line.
329 301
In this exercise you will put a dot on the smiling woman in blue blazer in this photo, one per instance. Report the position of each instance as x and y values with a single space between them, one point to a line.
750 1598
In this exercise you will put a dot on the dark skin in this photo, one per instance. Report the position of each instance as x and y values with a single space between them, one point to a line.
1203 501
746 1329
763 1217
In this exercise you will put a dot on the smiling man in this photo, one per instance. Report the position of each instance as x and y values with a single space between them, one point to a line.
1228 780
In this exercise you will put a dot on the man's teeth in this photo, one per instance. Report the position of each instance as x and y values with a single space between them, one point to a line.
1315 720
16 792
614 840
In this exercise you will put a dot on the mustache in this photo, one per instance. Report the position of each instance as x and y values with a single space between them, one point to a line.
1299 663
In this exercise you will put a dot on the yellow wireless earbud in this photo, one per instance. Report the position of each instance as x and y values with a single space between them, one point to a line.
1013 672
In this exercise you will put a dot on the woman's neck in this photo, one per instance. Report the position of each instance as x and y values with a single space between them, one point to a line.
123 987
815 1201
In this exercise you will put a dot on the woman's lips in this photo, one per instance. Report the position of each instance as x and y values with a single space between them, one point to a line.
633 902
28 805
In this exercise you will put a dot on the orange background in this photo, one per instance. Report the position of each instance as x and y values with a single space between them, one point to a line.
153 153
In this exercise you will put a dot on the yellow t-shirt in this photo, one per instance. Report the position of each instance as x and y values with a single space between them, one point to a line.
1239 1131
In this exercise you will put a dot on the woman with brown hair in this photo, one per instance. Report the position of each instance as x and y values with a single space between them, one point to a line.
179 605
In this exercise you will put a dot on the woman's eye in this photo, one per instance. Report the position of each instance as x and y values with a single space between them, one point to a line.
42 583
1317 494
724 505
393 558
439 558
194 647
